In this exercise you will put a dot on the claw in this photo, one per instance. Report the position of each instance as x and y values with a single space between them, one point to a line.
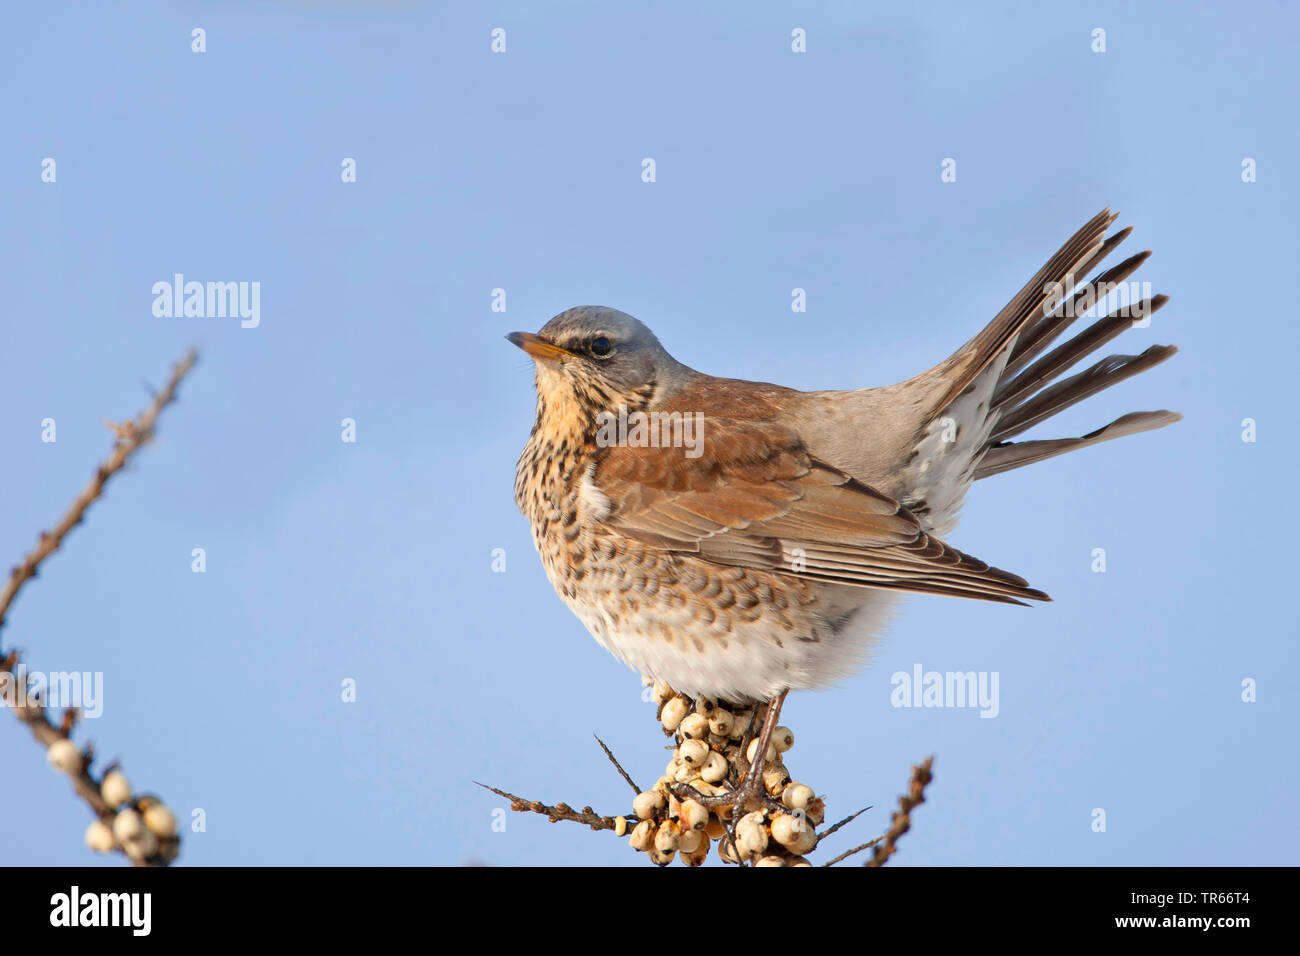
751 794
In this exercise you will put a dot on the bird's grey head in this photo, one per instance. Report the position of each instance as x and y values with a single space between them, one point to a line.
604 357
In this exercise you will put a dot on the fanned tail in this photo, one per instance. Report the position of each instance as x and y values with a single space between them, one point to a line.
1010 377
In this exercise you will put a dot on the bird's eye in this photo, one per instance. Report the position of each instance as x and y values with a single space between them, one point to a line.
601 347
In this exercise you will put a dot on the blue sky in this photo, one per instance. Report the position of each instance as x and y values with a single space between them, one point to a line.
372 560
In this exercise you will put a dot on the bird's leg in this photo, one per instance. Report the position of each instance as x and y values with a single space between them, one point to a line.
750 791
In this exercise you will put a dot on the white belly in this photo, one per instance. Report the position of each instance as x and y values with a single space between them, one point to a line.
755 660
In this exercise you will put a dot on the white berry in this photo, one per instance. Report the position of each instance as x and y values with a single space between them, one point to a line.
99 837
115 788
64 756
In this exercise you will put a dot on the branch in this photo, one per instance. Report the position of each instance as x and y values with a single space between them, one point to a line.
843 823
31 713
561 811
131 435
901 821
857 849
618 766
140 827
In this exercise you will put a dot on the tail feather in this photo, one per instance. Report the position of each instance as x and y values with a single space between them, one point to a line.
1069 391
1008 378
1046 369
1026 308
1032 340
1011 455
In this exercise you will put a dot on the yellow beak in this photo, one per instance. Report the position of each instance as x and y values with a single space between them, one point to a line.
538 347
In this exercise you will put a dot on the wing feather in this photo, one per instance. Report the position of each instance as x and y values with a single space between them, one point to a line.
756 498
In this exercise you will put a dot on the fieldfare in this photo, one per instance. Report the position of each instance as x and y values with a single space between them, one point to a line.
739 539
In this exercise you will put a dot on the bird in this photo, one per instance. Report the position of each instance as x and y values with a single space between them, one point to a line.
739 540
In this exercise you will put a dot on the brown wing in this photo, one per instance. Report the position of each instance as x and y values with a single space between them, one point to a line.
755 498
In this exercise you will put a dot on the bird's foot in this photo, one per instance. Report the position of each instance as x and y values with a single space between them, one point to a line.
750 795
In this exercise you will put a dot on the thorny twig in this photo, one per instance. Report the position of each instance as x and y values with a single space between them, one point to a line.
857 849
30 711
843 823
618 766
901 821
561 811
130 437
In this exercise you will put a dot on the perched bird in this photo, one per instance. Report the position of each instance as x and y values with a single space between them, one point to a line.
739 539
